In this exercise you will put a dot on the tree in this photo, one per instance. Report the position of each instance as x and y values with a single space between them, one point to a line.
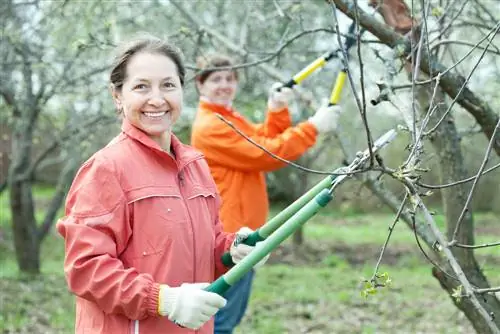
38 68
438 126
456 269
52 85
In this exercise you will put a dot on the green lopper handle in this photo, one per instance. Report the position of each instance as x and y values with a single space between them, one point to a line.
266 230
223 283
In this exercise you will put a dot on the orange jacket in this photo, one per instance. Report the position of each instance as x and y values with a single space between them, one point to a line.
237 165
135 218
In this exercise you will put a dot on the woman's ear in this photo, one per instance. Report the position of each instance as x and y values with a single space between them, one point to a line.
199 85
116 97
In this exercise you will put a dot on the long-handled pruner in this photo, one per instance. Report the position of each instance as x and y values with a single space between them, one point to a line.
320 62
284 224
309 69
341 76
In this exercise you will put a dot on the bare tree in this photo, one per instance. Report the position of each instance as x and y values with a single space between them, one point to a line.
429 116
437 88
33 78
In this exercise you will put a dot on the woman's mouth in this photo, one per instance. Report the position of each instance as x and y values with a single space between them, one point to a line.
155 115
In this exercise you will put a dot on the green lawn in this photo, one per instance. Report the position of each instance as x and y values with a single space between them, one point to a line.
313 289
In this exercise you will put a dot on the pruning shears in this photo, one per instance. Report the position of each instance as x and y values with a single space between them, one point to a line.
340 81
285 223
320 62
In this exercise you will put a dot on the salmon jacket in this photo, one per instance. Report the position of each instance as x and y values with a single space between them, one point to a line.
136 218
238 166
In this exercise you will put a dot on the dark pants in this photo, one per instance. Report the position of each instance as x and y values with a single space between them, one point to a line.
228 317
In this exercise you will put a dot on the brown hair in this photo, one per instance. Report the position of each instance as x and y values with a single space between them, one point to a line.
143 43
210 63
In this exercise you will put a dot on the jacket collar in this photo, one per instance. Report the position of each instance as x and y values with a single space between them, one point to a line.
183 153
217 108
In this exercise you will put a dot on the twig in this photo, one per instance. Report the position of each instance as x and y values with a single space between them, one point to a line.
492 244
447 185
464 84
391 229
361 108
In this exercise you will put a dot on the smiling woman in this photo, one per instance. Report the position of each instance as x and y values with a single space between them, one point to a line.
141 226
237 165
150 95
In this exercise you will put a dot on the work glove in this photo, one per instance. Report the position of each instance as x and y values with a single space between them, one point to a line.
278 99
189 305
326 118
239 250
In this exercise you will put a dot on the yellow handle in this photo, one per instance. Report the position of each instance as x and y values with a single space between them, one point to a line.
309 69
337 89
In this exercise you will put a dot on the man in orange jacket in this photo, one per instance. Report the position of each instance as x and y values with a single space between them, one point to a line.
238 166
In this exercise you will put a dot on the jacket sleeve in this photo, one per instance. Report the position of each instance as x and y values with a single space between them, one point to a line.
276 122
224 146
96 230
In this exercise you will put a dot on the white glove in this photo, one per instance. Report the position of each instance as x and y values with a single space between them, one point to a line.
239 251
326 118
189 305
278 100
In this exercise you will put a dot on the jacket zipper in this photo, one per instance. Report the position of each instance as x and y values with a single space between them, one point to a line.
134 327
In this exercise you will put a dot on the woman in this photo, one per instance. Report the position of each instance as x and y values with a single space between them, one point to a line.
237 165
141 227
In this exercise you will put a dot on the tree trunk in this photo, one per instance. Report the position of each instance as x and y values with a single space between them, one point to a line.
24 225
26 243
446 143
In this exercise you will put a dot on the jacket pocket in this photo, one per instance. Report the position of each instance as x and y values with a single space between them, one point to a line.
158 218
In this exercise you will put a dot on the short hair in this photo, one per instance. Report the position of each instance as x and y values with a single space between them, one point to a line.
207 64
143 43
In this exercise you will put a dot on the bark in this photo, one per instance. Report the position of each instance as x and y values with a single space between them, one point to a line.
24 227
446 142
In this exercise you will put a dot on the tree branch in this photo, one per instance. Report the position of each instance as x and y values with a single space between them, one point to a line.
449 82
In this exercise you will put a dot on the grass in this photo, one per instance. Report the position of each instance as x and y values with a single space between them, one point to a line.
315 288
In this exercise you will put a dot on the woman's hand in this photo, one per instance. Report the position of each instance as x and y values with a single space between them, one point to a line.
278 99
239 250
326 118
189 305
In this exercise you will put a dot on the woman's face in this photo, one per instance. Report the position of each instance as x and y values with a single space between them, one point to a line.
219 87
151 96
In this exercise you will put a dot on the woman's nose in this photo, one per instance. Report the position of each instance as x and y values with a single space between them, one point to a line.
156 99
226 84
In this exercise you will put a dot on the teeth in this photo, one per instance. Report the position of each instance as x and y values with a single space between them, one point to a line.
155 114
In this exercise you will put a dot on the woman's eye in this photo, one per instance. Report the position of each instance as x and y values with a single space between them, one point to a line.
140 86
169 84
